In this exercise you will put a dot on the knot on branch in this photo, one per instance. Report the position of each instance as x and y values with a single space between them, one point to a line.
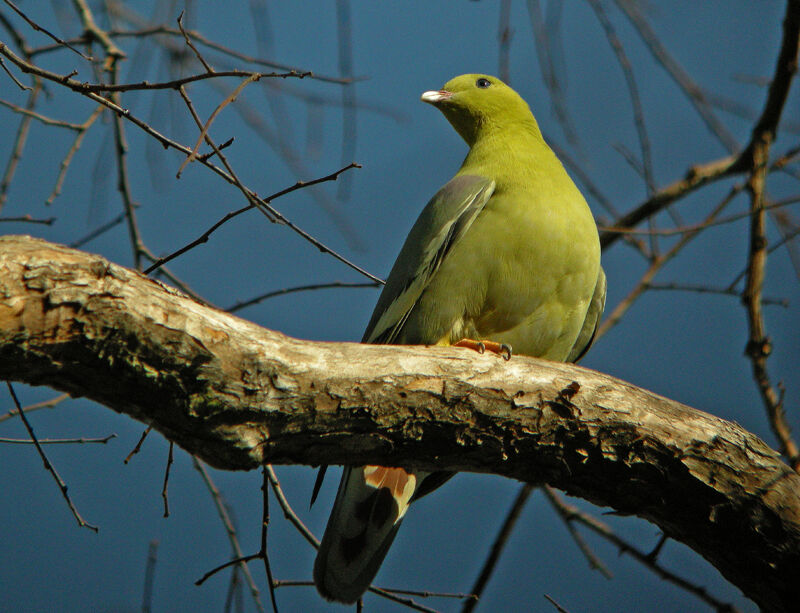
758 348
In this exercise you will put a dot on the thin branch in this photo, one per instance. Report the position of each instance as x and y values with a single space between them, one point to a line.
504 35
288 511
705 289
298 288
149 575
147 30
57 441
497 547
123 177
595 563
48 121
757 154
166 480
408 602
232 537
100 230
45 404
19 142
45 31
344 36
685 82
545 54
28 219
76 144
633 93
552 601
572 513
205 236
47 465
659 261
138 446
262 204
95 33
204 130
704 224
265 480
191 46
696 177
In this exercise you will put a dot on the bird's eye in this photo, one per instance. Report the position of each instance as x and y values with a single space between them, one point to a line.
483 83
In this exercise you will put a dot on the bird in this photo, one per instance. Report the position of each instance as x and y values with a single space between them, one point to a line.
505 256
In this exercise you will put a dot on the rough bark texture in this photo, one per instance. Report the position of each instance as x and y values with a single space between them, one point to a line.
238 395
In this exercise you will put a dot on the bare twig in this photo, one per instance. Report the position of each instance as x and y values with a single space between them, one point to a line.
28 219
298 288
48 466
344 35
138 446
19 142
207 124
76 144
595 563
191 46
148 29
45 404
633 93
497 547
757 154
48 121
545 53
572 513
264 527
263 205
558 607
504 35
38 28
408 602
288 512
240 559
659 261
705 289
704 224
149 575
57 441
693 91
166 480
205 236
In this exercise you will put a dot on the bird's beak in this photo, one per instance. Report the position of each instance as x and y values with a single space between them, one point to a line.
436 97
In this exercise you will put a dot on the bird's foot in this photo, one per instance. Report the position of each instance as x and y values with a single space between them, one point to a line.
502 349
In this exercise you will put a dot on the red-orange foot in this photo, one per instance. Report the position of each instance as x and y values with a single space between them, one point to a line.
481 346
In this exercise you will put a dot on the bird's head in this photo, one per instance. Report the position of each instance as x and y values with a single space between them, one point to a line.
474 102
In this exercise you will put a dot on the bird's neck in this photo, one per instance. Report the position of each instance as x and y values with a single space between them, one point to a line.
510 153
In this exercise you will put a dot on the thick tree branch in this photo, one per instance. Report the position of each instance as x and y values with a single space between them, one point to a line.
238 395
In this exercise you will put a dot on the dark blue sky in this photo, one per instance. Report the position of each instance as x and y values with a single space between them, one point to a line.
686 346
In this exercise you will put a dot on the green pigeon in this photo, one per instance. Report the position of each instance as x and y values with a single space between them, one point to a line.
506 254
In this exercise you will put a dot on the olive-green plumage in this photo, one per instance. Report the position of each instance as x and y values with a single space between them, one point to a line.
506 251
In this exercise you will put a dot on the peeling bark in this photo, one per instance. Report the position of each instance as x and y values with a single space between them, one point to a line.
238 395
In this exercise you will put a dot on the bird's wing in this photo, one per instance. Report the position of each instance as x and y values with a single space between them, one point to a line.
372 500
590 324
445 219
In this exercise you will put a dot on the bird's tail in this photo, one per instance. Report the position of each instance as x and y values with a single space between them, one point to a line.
369 507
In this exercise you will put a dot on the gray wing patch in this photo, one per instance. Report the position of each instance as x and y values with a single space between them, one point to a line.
446 218
590 324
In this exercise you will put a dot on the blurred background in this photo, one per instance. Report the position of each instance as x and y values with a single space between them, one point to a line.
686 345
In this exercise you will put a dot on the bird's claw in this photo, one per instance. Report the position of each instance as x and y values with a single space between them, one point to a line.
502 349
